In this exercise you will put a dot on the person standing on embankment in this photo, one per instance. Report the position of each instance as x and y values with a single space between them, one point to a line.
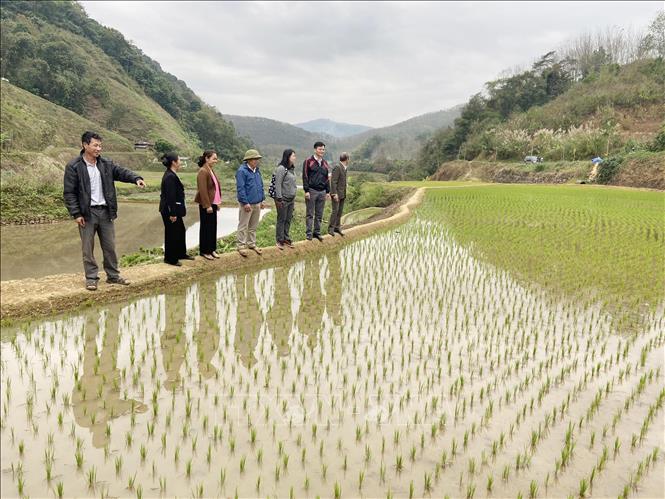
249 190
172 208
285 197
316 184
90 197
338 194
209 198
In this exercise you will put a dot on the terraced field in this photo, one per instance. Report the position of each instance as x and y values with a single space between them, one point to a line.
506 342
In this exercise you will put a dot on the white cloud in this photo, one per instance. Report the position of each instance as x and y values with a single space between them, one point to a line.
372 63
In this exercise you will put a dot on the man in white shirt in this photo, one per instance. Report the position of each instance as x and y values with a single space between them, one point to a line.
90 197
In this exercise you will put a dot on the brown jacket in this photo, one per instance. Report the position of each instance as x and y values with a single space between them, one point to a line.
205 188
338 181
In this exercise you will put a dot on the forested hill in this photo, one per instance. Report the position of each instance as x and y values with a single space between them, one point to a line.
272 136
600 95
54 50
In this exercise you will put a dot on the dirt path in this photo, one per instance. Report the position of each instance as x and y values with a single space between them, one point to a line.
29 298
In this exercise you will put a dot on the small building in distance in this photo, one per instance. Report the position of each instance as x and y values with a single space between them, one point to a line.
142 145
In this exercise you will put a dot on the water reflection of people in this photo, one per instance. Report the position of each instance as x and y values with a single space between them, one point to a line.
248 321
173 342
311 309
207 337
279 318
334 288
98 399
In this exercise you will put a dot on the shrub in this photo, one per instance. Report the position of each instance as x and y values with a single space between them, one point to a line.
658 143
608 169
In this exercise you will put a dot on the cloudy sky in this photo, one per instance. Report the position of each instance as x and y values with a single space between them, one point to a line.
369 63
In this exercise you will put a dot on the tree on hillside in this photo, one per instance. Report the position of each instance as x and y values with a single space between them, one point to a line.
163 147
653 42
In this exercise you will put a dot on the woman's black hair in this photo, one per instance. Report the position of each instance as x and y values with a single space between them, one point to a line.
202 159
169 158
285 158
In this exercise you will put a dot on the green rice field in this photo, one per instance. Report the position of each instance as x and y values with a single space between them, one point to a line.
507 341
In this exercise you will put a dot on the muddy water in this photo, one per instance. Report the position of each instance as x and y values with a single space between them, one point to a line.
398 363
40 250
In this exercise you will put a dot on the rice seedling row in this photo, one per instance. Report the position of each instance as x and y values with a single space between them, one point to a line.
412 363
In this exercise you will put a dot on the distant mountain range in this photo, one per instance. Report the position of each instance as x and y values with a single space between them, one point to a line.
400 141
271 137
333 128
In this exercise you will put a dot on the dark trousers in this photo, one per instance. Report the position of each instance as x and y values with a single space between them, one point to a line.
207 230
99 222
174 239
336 215
284 216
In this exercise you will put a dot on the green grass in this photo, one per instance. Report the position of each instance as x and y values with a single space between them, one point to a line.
431 183
28 202
591 243
360 215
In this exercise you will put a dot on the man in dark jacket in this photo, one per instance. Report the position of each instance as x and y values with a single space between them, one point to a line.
91 200
338 193
315 183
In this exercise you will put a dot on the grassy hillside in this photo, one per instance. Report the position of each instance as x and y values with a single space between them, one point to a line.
54 50
114 101
563 108
31 123
636 169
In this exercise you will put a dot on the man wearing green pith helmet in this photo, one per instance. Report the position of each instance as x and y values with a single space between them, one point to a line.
249 189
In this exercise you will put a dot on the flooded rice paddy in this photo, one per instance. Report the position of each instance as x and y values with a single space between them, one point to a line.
48 249
400 366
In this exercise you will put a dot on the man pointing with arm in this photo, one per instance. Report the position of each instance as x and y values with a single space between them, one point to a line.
90 197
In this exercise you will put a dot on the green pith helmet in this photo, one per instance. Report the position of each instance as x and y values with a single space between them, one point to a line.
252 154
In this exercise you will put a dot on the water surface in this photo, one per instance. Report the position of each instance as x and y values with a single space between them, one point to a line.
47 249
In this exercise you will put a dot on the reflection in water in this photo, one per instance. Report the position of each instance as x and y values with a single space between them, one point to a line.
312 305
96 397
400 347
248 319
46 249
173 343
280 318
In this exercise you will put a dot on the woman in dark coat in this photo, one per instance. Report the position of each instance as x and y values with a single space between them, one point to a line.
172 207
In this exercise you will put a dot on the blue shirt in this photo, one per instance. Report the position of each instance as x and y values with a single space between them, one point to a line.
249 185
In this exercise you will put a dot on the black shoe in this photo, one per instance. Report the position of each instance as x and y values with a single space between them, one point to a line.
176 264
118 280
339 232
309 238
318 236
187 257
331 233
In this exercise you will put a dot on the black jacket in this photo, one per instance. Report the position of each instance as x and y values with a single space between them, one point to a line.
315 176
172 198
77 185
